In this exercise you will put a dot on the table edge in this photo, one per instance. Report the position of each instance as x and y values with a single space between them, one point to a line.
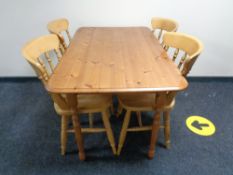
123 90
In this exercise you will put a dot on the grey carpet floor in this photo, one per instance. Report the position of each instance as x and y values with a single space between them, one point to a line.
29 135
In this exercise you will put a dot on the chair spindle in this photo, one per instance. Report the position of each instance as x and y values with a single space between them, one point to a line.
68 34
58 54
44 72
182 60
49 61
175 54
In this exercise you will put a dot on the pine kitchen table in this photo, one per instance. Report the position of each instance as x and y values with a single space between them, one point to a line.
114 60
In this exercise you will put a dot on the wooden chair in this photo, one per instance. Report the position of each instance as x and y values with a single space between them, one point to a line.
192 48
163 24
39 55
59 27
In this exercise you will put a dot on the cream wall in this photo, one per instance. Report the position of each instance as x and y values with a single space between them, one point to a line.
209 20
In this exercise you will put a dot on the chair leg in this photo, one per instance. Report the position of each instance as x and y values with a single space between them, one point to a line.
90 119
123 131
78 136
139 118
154 134
109 132
166 120
73 104
64 120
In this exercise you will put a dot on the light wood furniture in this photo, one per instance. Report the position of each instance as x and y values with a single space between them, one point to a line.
163 24
38 54
116 60
186 49
88 104
192 48
159 27
59 27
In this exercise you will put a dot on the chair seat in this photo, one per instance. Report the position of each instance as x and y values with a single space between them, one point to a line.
88 104
141 102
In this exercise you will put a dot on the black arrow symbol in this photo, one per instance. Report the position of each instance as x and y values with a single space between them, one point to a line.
198 125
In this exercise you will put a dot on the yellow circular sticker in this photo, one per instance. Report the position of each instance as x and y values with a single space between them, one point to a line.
200 125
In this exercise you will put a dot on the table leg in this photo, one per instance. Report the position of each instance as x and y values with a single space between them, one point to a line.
154 134
72 101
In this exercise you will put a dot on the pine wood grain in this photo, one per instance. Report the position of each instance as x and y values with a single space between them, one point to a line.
113 60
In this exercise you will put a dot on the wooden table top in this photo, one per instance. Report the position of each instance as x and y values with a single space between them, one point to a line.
113 60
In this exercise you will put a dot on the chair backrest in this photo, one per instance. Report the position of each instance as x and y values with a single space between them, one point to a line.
185 47
163 24
58 27
43 55
38 53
